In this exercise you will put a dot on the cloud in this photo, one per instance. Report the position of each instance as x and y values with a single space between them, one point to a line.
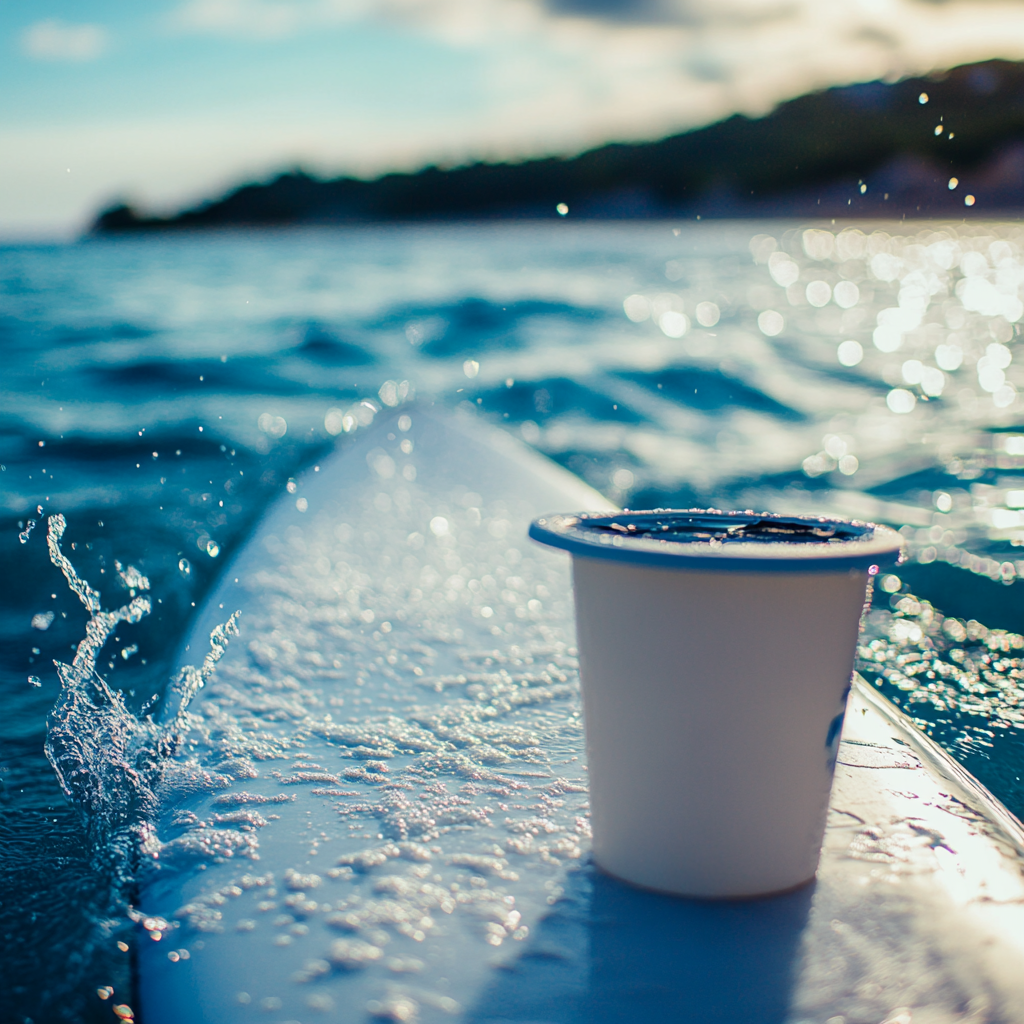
58 40
266 19
650 62
623 11
550 76
562 75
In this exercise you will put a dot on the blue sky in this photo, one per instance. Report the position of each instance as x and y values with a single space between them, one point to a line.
146 66
176 100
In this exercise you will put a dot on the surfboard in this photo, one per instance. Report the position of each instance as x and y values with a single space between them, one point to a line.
380 809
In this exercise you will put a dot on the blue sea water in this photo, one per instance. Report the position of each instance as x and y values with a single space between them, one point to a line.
159 392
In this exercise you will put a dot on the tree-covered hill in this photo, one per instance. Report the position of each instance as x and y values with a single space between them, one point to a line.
877 149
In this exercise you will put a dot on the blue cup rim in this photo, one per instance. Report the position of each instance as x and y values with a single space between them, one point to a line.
723 541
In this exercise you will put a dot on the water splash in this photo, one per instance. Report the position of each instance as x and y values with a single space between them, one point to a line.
109 762
30 526
191 680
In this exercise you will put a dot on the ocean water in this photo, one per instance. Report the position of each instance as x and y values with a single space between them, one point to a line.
160 392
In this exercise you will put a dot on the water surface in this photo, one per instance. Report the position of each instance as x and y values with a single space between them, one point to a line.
160 392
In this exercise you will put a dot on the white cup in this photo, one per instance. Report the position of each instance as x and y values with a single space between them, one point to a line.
716 651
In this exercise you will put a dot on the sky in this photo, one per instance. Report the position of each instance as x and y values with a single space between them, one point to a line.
169 102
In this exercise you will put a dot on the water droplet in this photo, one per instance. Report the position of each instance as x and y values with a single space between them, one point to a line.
34 681
42 620
923 98
708 314
636 308
949 357
771 323
334 421
275 426
673 324
901 401
562 209
818 293
184 566
846 295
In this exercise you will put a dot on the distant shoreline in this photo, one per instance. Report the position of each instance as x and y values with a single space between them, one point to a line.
864 152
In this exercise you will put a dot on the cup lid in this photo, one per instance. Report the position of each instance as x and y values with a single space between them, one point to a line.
723 541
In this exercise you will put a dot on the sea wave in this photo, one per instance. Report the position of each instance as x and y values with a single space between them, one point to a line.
162 392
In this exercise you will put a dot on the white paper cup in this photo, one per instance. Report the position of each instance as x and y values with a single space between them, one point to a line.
716 651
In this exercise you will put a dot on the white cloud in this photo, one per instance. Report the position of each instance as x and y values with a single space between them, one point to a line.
550 78
265 19
633 69
57 40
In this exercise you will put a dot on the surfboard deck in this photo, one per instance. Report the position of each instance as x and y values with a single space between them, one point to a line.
381 808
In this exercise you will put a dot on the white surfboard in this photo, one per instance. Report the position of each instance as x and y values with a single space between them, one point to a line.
392 823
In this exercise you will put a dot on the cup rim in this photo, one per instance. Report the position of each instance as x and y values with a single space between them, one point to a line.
720 545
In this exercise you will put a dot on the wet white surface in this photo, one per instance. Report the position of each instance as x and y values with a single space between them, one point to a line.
389 813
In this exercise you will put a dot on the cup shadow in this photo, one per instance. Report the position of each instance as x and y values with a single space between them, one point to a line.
609 952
